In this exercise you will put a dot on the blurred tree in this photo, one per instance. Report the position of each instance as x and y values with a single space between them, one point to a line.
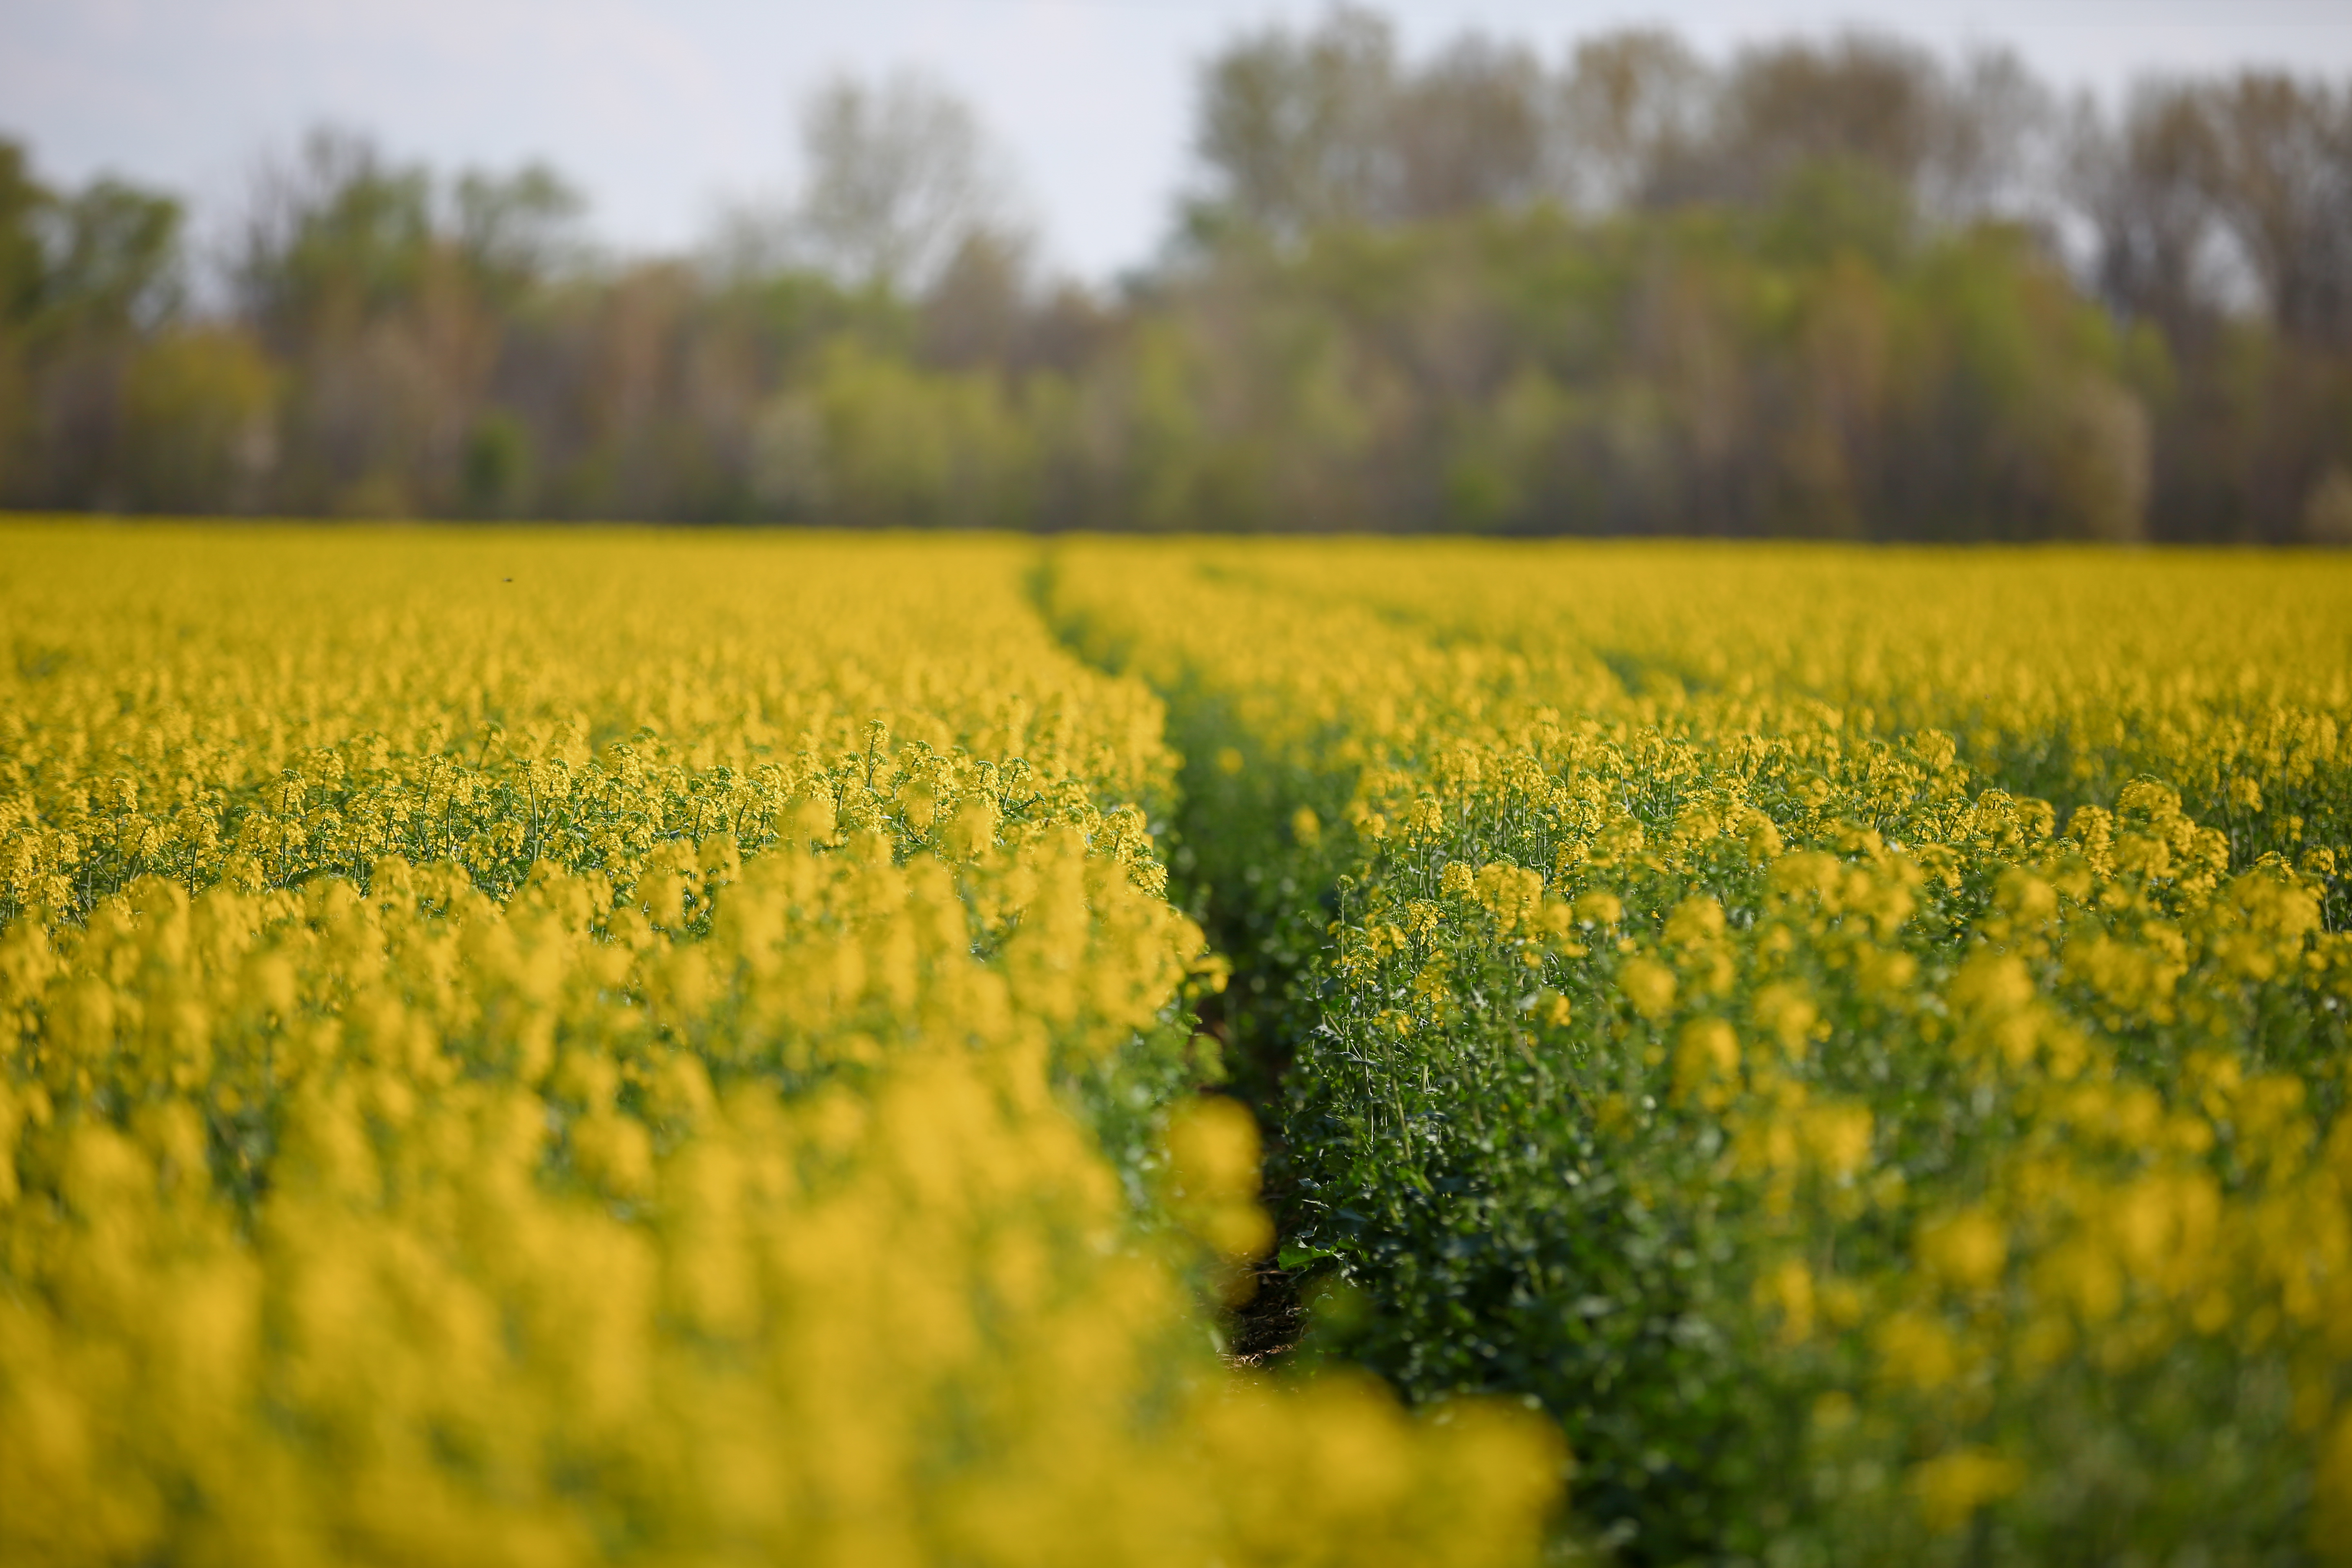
332 237
516 231
115 261
497 474
1861 98
1828 206
1997 142
2094 460
2143 187
897 175
110 260
24 271
2277 164
1293 128
1070 329
25 204
1468 132
2327 515
1633 104
199 422
881 445
975 313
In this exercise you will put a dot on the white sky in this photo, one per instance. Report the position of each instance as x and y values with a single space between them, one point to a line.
662 109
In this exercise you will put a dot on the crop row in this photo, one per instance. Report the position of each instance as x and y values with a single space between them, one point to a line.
1862 1039
521 1049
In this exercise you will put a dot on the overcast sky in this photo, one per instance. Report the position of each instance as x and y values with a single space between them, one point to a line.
660 110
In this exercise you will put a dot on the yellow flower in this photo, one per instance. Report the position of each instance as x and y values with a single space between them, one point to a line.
1649 986
1951 1487
1967 1251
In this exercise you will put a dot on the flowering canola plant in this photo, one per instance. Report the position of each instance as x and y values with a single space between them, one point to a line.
539 1048
1860 1037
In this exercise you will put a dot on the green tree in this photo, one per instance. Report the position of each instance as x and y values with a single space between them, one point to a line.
200 410
499 475
331 237
1290 128
24 201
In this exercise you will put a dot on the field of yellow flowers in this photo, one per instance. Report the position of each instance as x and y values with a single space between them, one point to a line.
541 1049
1861 1037
567 1048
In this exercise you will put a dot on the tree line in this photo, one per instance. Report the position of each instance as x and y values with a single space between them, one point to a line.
1840 287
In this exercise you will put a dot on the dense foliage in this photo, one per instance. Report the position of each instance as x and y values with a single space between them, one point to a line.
519 1049
1863 1038
1834 286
